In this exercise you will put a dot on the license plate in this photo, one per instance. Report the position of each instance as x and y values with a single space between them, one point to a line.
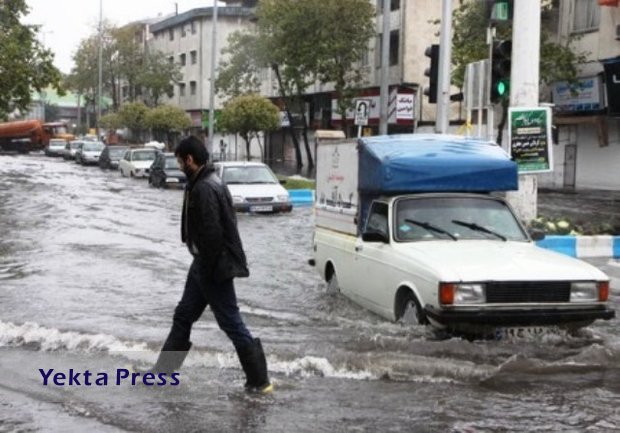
520 332
261 208
172 180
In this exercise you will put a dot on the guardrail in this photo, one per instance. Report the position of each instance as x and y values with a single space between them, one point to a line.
583 246
301 197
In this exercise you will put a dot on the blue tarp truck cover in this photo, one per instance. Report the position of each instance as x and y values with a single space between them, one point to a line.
433 163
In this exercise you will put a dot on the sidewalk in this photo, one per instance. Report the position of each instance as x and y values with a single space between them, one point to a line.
581 206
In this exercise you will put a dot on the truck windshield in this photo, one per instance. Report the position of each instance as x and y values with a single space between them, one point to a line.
460 217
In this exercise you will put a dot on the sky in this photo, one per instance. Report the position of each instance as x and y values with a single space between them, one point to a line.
64 23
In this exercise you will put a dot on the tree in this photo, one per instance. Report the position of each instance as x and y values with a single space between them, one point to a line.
340 32
558 60
166 120
111 121
304 42
157 76
25 65
133 116
247 115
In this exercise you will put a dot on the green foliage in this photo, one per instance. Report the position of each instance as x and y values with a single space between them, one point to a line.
167 118
340 31
247 115
123 59
565 226
558 61
24 63
297 183
238 72
133 114
111 121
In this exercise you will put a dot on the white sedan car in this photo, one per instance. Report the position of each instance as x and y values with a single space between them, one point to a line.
137 162
254 187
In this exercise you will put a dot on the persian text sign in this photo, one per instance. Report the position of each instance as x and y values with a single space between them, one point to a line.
529 138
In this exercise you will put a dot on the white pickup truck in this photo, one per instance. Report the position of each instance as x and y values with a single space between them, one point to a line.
412 226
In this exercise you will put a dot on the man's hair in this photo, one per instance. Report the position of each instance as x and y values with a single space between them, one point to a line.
192 145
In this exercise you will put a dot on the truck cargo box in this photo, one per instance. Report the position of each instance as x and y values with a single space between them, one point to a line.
433 163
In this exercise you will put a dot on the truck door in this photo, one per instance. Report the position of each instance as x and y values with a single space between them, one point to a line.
372 259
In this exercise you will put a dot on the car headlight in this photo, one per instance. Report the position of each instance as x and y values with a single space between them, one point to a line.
466 293
584 292
237 199
282 198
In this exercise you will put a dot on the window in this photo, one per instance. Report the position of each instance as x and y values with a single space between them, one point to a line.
192 87
171 34
365 58
194 56
394 47
394 5
193 26
171 59
181 89
378 219
182 59
170 91
587 15
183 32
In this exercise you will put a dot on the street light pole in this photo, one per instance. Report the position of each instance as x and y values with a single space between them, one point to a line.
212 79
100 66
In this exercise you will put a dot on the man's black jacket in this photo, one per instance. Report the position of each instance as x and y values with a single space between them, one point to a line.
209 227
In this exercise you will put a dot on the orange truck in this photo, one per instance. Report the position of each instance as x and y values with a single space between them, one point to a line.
28 135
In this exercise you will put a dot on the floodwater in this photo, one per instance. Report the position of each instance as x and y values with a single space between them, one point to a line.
91 268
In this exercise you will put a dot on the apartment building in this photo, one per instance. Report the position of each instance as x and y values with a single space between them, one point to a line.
586 153
186 39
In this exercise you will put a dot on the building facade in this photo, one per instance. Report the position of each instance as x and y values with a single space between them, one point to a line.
586 152
186 39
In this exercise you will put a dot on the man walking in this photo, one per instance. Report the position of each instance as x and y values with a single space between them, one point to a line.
209 229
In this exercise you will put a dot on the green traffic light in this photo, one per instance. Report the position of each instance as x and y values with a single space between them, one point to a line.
502 88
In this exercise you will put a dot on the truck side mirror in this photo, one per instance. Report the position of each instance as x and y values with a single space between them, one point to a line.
375 236
536 234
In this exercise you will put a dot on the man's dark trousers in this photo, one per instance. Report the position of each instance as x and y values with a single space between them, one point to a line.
199 293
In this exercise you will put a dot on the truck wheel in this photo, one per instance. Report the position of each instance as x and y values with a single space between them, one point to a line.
408 310
332 281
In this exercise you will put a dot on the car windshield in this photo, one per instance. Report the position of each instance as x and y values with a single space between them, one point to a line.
172 163
144 155
117 152
455 218
92 146
58 143
248 174
75 144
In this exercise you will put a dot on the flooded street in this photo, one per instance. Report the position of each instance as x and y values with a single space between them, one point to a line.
92 266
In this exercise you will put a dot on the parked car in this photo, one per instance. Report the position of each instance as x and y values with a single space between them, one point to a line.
137 162
165 172
88 152
254 187
111 155
56 147
71 149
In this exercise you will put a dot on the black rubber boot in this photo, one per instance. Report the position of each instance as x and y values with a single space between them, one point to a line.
254 364
171 356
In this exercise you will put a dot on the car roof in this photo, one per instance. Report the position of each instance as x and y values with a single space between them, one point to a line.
240 164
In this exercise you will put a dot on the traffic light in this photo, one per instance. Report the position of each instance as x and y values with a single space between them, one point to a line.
432 72
500 70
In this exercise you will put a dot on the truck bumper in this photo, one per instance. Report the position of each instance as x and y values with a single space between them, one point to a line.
532 317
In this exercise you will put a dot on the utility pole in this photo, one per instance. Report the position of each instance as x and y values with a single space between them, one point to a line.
445 57
385 70
212 79
100 67
524 83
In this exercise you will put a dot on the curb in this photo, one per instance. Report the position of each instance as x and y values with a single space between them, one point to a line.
583 246
301 197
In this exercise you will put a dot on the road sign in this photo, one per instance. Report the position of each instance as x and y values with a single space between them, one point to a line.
530 139
362 112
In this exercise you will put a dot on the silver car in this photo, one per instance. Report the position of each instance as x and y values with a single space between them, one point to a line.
71 149
89 152
56 147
